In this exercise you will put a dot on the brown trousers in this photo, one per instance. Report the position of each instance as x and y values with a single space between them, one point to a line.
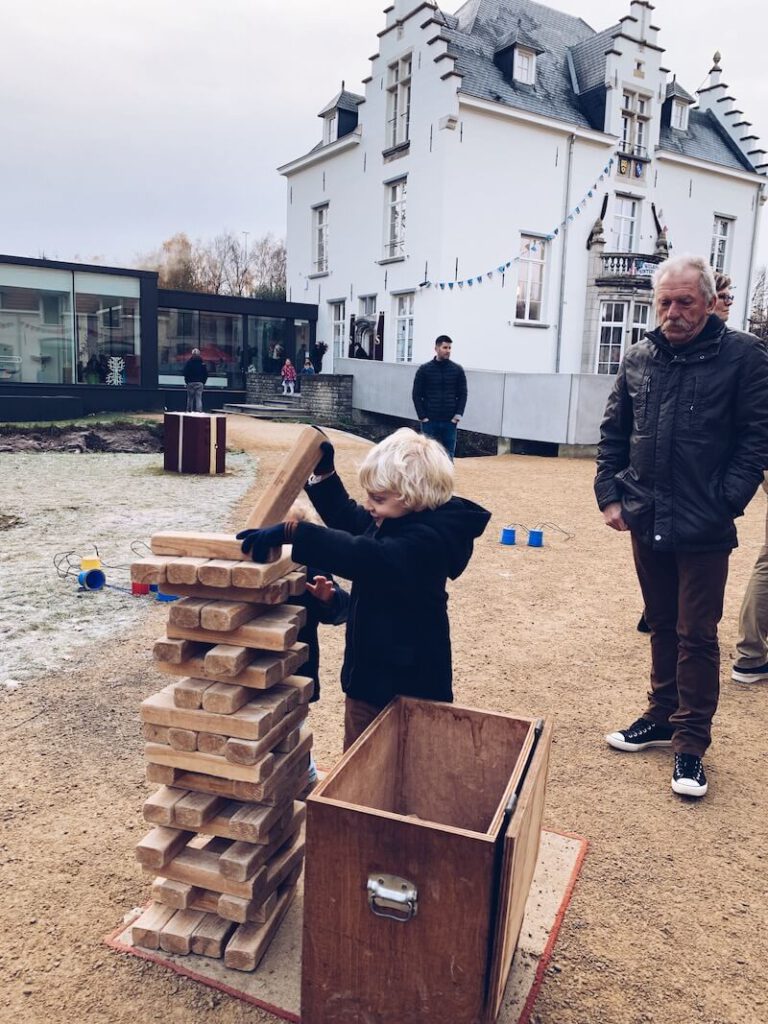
683 594
752 648
358 715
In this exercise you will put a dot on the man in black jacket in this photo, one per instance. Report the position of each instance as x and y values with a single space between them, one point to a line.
684 443
440 395
195 376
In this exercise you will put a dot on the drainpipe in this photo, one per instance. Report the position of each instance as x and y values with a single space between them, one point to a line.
760 198
563 260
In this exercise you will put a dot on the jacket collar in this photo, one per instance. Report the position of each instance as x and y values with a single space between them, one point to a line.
706 344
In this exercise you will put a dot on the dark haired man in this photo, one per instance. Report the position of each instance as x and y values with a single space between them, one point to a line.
440 395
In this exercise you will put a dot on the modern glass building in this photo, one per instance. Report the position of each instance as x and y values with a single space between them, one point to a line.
108 339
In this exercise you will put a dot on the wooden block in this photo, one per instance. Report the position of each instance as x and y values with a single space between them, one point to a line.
149 570
182 739
158 808
303 685
154 733
146 930
250 575
254 823
235 909
187 695
264 633
197 545
176 933
239 751
160 845
288 480
240 861
160 774
252 721
288 613
177 895
289 694
290 741
210 936
183 570
250 941
297 582
215 573
282 767
227 615
274 593
226 659
195 808
262 671
186 612
225 698
200 868
285 861
211 743
176 651
287 788
211 764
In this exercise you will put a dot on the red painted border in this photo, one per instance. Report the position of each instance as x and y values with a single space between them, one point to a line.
538 980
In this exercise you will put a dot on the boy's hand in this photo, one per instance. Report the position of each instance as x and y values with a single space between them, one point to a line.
322 588
258 543
325 466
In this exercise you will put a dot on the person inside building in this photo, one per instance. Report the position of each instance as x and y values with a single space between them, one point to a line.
440 395
683 446
195 376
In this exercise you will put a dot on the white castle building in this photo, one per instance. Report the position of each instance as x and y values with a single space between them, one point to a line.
510 177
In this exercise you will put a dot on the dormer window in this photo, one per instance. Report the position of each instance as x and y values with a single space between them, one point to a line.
524 65
680 115
329 135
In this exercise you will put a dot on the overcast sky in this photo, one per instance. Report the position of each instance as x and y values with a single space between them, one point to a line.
125 121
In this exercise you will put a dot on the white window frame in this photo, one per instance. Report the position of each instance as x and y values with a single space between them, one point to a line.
680 115
616 329
720 251
320 239
367 305
532 272
635 116
399 101
641 321
524 65
338 318
331 122
395 220
626 223
404 319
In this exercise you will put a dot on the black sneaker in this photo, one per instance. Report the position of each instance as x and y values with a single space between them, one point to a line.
642 626
688 778
750 675
640 735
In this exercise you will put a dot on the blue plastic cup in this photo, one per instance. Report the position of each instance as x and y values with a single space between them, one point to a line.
160 596
536 538
508 535
91 579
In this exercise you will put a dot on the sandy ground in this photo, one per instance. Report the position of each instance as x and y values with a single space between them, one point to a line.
668 920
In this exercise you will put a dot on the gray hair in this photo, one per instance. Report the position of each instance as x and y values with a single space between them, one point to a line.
195 351
681 264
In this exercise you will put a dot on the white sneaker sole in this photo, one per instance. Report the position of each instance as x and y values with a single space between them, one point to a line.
617 741
687 787
748 677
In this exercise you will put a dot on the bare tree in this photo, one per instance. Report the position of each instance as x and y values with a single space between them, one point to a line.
758 318
269 262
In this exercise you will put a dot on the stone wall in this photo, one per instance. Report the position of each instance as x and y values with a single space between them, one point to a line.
325 397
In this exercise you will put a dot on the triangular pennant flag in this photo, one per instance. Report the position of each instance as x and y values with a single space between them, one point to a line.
470 282
489 275
450 285
500 269
460 284
509 263
479 280
556 232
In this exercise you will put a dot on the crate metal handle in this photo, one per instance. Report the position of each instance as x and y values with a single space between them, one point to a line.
393 897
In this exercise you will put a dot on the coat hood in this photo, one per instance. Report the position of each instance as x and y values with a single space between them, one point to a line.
458 522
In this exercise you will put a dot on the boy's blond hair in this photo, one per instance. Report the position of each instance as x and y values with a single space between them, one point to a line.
414 467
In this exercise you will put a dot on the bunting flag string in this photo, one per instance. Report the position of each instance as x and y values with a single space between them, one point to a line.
532 247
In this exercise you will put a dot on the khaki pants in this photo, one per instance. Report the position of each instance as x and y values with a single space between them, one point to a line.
752 648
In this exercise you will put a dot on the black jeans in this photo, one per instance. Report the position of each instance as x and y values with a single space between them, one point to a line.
683 594
443 431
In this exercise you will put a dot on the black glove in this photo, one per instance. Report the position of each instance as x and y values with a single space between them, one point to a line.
258 543
325 465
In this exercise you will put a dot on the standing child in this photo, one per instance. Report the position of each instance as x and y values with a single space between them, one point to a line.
288 374
398 549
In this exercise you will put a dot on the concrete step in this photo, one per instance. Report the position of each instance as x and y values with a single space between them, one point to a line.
269 412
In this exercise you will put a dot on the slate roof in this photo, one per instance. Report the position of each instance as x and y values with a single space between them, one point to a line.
589 58
344 100
675 89
705 139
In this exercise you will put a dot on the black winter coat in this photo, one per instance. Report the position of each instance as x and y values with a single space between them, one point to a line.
334 613
195 371
684 441
398 638
439 390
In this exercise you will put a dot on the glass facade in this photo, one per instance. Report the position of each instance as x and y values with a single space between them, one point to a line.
108 329
270 342
219 336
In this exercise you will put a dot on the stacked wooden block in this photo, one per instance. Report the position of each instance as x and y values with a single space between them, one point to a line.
227 742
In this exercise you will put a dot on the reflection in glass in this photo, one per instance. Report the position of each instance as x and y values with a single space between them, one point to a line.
221 347
36 330
270 342
108 331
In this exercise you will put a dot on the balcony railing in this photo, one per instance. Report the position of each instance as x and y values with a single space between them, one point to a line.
631 149
628 265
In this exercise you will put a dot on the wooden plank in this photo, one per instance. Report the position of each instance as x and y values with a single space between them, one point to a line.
254 823
252 575
149 570
290 741
284 789
240 751
146 930
197 545
215 573
178 895
288 480
211 764
187 695
303 685
235 909
154 733
182 739
274 593
285 861
227 659
162 775
250 722
160 845
186 612
158 808
176 933
195 808
200 868
297 582
241 859
264 670
210 936
282 767
175 651
263 633
250 941
225 698
225 616
183 570
211 743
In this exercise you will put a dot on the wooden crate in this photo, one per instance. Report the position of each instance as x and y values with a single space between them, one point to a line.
194 442
433 817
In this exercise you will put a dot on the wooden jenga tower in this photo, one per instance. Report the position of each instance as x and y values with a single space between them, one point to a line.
227 739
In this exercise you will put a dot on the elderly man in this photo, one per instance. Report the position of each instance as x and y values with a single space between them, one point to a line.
440 395
684 443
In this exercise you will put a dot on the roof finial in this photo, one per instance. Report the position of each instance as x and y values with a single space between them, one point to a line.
717 58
